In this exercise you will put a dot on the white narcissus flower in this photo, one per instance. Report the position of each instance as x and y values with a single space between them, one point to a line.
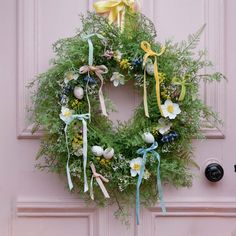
117 79
70 76
164 126
66 114
170 109
135 166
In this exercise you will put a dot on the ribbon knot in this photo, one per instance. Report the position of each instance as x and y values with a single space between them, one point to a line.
115 9
99 71
182 82
150 53
144 152
100 179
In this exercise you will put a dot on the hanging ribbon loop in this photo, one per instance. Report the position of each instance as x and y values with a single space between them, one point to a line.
150 53
144 152
100 179
115 9
83 118
182 82
91 48
99 71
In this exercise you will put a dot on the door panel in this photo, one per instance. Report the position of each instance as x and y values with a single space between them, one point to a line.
36 203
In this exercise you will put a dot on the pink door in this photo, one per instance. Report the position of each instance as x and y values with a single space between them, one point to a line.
35 203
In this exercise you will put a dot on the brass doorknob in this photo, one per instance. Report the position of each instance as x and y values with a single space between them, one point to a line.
214 172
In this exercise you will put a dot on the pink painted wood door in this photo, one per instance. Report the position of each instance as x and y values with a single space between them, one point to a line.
35 203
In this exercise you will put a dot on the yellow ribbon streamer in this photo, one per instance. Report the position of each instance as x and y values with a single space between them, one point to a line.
115 9
150 53
182 83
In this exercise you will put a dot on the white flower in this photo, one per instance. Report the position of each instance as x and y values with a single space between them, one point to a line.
79 152
135 166
146 174
66 114
117 79
118 55
170 109
64 99
70 76
164 126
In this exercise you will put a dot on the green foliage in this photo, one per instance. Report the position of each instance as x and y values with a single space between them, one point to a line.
178 61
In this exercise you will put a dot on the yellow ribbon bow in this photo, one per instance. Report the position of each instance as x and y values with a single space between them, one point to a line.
115 9
182 83
150 53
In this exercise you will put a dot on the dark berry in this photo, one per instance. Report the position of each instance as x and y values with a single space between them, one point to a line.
169 137
90 80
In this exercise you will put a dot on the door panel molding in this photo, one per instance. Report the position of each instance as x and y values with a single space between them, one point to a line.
214 42
50 208
27 62
220 209
26 209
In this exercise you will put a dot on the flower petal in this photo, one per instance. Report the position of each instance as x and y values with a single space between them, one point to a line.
116 83
168 102
172 116
176 108
133 172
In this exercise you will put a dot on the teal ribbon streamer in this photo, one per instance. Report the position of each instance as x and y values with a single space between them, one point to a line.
144 152
91 48
83 118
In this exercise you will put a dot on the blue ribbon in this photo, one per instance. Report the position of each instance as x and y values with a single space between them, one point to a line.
144 152
83 118
91 48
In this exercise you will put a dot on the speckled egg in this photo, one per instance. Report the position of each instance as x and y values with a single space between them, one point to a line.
79 92
97 150
148 137
108 153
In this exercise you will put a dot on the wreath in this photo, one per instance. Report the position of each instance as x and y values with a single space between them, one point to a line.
106 164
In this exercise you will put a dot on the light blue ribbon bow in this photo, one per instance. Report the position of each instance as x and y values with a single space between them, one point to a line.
144 152
91 48
83 118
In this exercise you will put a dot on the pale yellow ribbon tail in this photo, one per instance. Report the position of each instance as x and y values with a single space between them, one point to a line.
150 53
101 97
157 86
145 103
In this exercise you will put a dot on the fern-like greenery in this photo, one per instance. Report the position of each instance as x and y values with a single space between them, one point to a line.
178 61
